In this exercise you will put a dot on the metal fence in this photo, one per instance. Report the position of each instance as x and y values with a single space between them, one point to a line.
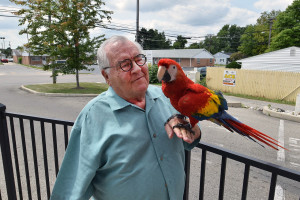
32 149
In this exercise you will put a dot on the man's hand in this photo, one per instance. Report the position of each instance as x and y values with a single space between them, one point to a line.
173 125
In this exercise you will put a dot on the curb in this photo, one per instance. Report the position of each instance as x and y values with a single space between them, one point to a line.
234 104
280 115
229 104
56 94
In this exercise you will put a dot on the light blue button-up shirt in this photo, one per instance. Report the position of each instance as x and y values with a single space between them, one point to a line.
120 151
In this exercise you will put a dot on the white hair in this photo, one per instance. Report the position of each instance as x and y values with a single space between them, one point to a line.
103 60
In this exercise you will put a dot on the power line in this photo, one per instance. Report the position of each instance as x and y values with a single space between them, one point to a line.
10 16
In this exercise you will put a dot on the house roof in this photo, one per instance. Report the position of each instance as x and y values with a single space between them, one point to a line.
17 52
287 59
180 53
278 55
222 54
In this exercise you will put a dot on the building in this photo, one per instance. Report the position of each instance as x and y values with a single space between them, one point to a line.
27 58
222 58
187 58
287 59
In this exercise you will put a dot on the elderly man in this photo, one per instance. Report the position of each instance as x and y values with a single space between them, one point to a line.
120 147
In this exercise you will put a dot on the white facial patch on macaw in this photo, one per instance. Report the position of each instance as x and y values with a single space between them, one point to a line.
172 70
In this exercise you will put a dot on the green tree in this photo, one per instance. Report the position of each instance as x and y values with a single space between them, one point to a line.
8 52
236 56
194 45
152 39
60 29
287 28
210 43
180 42
229 38
255 39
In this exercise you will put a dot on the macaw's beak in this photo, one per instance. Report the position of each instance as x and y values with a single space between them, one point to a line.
162 74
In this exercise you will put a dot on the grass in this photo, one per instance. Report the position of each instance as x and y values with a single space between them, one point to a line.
70 88
34 67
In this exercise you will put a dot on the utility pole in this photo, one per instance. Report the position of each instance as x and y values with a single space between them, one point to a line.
51 42
137 20
270 30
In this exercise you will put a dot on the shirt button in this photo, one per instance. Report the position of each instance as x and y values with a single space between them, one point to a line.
161 158
154 135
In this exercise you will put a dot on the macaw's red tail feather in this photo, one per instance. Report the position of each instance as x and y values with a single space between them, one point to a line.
220 123
253 134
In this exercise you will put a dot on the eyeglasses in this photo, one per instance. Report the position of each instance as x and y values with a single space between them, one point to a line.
126 65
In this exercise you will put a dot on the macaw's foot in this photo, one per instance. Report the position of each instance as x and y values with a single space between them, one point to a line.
186 125
179 116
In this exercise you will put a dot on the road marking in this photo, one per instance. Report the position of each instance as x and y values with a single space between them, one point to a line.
279 192
295 143
280 152
295 164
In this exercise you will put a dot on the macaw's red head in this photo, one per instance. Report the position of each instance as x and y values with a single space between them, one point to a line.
168 70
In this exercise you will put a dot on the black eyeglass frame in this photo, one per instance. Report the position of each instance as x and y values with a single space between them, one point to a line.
130 61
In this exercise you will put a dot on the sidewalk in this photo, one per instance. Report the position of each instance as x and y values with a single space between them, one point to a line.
264 106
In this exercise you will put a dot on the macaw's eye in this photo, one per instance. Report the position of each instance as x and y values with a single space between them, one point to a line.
174 67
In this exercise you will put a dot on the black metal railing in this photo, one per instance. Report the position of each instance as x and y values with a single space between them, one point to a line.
33 147
32 165
248 162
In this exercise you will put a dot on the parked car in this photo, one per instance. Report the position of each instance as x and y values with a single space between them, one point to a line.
202 71
10 60
4 60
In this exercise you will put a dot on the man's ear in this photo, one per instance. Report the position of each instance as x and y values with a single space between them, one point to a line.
105 75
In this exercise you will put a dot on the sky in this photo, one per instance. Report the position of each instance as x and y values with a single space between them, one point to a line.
193 18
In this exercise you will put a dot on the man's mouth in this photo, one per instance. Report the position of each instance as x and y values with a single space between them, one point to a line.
139 78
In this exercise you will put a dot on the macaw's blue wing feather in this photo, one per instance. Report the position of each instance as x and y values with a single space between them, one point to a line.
223 101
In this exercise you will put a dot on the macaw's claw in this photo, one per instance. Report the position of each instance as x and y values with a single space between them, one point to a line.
179 116
187 126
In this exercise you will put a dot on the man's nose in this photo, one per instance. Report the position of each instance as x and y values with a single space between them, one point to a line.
135 67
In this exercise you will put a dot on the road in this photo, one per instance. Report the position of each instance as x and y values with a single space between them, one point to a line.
12 76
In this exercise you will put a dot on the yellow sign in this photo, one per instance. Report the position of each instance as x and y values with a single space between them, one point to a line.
229 78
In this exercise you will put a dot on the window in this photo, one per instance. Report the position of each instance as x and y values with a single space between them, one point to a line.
210 60
198 60
36 58
293 52
178 60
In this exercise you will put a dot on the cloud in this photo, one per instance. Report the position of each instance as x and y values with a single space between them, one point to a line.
241 17
144 6
269 5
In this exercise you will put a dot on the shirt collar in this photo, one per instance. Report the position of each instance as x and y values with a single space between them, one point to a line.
117 103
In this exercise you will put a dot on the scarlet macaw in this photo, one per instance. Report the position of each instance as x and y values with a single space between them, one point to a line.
200 103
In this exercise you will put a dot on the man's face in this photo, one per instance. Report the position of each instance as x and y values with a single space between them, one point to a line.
128 85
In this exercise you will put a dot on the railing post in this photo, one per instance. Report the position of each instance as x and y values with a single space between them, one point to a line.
187 174
6 156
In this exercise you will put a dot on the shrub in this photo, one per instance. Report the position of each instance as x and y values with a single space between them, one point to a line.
234 65
203 82
20 60
153 74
